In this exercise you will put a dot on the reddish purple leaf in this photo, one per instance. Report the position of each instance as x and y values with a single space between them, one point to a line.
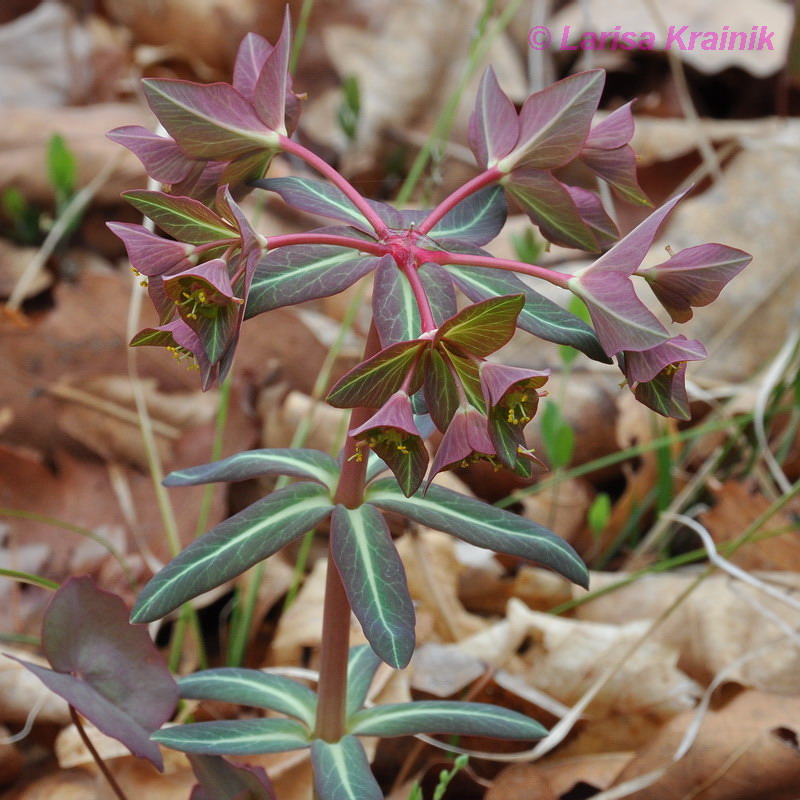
221 780
666 393
627 254
163 160
269 98
550 206
618 168
208 121
106 668
614 131
594 216
554 123
465 440
493 126
621 320
640 367
206 302
250 58
393 435
695 277
150 254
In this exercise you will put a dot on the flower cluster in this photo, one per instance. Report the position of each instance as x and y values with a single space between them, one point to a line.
480 407
198 285
550 156
219 134
654 363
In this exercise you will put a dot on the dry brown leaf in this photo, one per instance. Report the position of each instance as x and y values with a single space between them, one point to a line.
562 508
746 749
401 78
720 623
197 30
432 571
21 691
101 415
45 58
521 782
10 758
444 670
121 510
564 658
736 506
73 784
82 337
596 770
737 210
327 428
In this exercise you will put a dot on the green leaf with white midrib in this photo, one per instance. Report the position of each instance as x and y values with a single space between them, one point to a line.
251 687
482 525
232 547
372 382
484 327
375 581
245 737
394 307
444 716
539 316
342 772
316 197
183 218
291 275
477 219
296 462
361 668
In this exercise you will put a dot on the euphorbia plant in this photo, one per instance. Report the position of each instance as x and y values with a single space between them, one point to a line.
427 365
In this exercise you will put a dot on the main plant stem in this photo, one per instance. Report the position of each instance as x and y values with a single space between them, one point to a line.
332 687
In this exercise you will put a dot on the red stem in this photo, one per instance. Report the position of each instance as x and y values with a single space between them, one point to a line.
289 239
288 146
332 687
559 279
478 182
409 269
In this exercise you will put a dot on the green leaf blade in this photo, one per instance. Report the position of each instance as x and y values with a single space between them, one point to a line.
251 687
374 381
232 547
375 581
482 525
342 772
291 275
477 219
362 665
539 316
316 197
483 328
183 218
295 462
447 717
245 737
